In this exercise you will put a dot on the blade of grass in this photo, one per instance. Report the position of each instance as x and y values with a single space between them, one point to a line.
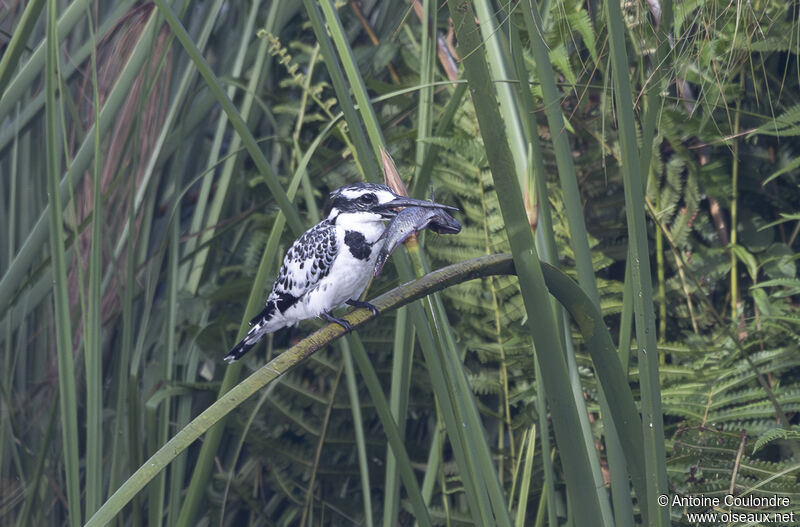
121 440
367 161
524 488
433 464
402 360
200 223
428 61
183 416
93 335
498 62
18 42
358 430
549 483
623 507
548 252
357 87
29 252
66 366
626 319
395 439
652 421
156 500
419 187
249 142
574 455
137 409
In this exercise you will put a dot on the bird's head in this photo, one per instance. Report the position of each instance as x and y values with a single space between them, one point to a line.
375 202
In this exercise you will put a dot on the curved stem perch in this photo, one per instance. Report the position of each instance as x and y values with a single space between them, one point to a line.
588 319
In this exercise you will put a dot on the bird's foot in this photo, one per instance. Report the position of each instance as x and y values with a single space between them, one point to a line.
342 322
361 303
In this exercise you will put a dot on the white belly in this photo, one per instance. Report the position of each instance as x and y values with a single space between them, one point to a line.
347 279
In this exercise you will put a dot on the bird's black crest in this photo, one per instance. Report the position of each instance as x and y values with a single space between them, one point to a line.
339 201
359 186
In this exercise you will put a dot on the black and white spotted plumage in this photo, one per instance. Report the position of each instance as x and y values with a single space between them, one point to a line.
331 263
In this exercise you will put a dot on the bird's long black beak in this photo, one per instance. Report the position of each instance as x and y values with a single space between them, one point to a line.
387 209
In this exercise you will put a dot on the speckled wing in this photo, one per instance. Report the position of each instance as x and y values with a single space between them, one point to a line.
307 261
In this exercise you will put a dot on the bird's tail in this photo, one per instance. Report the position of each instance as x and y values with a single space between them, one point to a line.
253 336
240 349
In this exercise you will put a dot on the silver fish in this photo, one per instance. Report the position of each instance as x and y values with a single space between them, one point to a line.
409 221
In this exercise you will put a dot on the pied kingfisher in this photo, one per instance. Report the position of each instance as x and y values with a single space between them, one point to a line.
331 263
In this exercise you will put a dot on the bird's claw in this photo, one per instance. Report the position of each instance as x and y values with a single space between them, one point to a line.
361 303
342 322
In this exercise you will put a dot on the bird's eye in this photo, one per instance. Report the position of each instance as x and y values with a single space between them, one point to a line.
369 198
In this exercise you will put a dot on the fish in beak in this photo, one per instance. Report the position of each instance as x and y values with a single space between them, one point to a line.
411 220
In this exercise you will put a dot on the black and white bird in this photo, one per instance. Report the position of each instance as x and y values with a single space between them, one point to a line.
331 263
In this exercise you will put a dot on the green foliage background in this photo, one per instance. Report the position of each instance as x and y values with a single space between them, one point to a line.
156 159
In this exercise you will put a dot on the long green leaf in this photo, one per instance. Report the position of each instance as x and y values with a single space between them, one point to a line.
499 67
555 379
367 160
201 223
19 39
428 61
546 248
29 252
355 80
66 366
652 421
93 337
393 435
402 360
358 430
623 509
249 142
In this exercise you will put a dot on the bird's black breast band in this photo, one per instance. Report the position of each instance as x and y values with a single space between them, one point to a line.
358 245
